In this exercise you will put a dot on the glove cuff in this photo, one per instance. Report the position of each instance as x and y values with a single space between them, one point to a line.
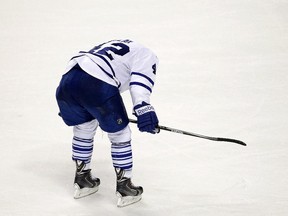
144 109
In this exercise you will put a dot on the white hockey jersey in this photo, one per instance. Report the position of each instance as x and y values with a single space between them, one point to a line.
121 63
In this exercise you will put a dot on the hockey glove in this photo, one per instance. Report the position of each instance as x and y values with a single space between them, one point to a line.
147 120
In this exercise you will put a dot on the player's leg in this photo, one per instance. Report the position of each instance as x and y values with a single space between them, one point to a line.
74 114
114 120
108 108
121 152
82 144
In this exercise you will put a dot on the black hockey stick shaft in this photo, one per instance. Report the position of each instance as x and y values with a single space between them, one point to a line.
197 135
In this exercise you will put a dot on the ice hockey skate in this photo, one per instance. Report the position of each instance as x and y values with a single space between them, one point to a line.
84 183
127 193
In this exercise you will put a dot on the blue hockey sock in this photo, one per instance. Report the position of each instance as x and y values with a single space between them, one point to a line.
82 150
122 157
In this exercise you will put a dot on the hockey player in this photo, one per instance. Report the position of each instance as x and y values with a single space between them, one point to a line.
88 96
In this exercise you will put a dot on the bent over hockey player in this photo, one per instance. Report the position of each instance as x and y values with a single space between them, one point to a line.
88 97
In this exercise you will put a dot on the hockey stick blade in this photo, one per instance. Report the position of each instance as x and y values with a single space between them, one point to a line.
221 139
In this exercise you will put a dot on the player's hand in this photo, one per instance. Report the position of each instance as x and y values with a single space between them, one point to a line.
147 120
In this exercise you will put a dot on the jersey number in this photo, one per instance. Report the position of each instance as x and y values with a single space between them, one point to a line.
116 48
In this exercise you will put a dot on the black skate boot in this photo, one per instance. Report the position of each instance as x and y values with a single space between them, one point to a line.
84 183
126 191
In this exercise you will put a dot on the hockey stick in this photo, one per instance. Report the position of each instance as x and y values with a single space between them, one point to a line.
197 135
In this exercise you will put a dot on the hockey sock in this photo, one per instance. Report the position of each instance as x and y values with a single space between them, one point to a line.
82 150
122 157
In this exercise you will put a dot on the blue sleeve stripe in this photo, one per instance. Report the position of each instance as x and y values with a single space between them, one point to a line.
140 74
141 84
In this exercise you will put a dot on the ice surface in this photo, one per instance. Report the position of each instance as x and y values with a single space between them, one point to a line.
223 72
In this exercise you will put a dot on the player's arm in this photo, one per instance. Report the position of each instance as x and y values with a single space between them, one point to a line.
142 81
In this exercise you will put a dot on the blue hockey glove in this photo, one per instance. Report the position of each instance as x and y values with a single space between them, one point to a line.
147 120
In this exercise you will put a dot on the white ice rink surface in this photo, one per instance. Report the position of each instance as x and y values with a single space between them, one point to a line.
223 72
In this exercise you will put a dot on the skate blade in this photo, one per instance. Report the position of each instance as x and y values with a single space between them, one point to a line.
127 200
79 193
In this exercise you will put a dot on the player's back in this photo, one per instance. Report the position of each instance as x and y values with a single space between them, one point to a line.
115 60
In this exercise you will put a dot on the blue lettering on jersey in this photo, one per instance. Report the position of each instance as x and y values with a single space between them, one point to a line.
154 68
116 48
